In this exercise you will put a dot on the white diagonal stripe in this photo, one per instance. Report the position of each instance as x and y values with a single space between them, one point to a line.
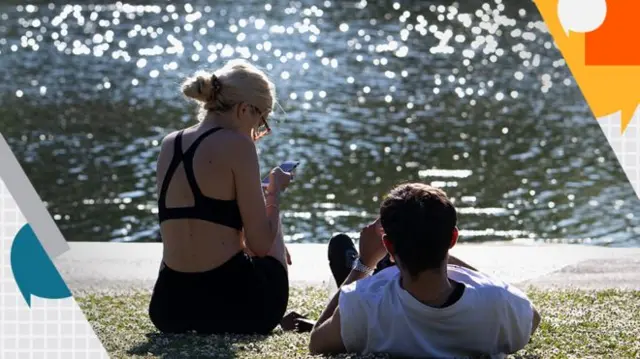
30 203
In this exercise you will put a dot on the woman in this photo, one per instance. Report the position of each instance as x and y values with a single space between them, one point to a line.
224 266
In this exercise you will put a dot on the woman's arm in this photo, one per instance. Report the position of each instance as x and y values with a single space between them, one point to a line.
260 219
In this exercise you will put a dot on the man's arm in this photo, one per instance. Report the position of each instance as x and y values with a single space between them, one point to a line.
333 304
519 318
326 335
536 320
455 261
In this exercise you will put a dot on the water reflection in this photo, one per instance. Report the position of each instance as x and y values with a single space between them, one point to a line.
472 97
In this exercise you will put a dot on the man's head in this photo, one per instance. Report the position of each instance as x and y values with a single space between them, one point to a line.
419 223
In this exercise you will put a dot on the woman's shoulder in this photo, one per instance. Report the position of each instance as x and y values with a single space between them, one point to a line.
232 141
166 144
168 139
234 144
230 146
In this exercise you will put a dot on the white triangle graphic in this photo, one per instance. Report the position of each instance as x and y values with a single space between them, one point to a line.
50 328
625 145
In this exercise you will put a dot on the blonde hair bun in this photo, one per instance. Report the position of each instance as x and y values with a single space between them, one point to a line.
199 87
237 81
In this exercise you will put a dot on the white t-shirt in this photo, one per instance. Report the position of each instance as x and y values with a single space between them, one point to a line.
379 316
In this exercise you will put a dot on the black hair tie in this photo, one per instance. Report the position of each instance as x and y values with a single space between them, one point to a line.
216 85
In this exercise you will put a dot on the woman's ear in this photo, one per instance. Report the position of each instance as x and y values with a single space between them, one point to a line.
239 110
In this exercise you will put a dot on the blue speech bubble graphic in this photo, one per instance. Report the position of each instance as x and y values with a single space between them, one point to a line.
33 270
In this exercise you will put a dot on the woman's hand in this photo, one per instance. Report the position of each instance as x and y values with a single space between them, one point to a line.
245 246
278 180
288 255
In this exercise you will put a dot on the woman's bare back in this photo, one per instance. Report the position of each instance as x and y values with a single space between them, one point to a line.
195 245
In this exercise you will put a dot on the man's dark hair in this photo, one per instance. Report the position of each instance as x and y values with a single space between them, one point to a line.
419 221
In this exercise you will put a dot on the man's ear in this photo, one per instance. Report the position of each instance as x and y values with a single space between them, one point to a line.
389 247
454 237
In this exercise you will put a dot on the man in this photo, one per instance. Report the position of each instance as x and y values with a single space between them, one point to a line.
429 304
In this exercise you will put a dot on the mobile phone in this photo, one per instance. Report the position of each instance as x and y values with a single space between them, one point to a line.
287 166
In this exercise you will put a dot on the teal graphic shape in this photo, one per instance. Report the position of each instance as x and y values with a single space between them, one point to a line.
33 270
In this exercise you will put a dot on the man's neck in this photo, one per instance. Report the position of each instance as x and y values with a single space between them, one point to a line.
431 287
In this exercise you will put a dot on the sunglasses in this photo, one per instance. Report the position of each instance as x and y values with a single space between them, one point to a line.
263 128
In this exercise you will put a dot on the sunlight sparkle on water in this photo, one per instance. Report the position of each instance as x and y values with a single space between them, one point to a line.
338 78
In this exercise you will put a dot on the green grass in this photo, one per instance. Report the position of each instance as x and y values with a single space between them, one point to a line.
576 324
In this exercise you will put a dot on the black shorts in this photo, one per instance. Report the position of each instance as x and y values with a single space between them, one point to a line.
245 295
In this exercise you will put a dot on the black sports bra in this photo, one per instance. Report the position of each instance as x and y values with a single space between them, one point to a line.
224 212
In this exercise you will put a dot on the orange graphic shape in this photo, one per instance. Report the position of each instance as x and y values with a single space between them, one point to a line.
607 89
617 41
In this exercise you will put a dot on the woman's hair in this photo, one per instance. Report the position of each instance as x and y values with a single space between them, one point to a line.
237 81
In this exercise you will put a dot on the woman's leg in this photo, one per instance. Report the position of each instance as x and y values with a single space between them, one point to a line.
272 295
273 286
166 308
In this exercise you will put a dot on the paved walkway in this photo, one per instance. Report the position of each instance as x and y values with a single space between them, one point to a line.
114 267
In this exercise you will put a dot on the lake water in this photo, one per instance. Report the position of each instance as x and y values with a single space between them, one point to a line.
473 97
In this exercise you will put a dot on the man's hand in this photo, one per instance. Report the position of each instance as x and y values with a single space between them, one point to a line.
372 250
